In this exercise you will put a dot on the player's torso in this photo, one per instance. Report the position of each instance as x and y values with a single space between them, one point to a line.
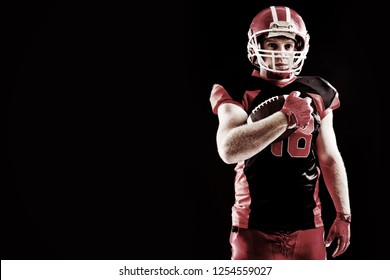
282 180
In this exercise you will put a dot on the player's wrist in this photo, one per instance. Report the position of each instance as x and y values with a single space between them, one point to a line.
343 217
291 118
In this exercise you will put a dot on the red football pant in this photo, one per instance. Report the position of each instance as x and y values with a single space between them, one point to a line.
251 244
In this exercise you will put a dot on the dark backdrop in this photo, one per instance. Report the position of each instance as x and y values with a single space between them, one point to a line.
111 138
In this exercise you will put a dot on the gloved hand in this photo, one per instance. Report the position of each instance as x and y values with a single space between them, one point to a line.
340 229
297 110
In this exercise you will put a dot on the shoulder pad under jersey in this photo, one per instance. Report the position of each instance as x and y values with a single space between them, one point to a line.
316 85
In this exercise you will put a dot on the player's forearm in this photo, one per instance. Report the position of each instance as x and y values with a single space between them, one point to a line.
247 140
335 178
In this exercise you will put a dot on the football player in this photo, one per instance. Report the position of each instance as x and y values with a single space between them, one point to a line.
277 212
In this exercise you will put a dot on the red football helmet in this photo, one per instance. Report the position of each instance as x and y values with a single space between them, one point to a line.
273 22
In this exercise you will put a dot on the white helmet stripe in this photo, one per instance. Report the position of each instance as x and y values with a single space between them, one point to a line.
275 15
288 14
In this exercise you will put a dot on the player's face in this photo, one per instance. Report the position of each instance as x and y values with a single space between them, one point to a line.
283 48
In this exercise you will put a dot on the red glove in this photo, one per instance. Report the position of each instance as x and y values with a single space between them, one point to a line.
340 229
297 110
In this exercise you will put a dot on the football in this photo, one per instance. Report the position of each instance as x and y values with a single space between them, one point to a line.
267 108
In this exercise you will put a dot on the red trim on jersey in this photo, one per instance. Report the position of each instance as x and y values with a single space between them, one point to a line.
241 208
319 102
218 96
317 211
279 83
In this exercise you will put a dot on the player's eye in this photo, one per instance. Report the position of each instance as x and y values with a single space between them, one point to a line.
271 46
289 47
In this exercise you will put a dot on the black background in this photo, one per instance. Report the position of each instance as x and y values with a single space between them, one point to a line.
112 150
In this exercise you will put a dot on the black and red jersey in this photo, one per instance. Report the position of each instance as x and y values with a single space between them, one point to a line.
278 188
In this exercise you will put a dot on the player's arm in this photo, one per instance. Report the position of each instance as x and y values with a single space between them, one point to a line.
335 178
237 140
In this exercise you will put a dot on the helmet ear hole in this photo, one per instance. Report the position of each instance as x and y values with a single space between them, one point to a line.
260 39
300 43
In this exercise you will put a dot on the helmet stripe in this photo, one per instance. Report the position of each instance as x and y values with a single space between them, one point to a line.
288 15
274 14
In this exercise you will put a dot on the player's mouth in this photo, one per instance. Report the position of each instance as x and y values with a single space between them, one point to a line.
281 66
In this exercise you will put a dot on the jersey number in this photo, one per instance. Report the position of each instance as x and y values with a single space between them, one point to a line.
298 143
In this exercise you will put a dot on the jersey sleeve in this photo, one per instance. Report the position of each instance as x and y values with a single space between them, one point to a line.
322 109
323 94
219 96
